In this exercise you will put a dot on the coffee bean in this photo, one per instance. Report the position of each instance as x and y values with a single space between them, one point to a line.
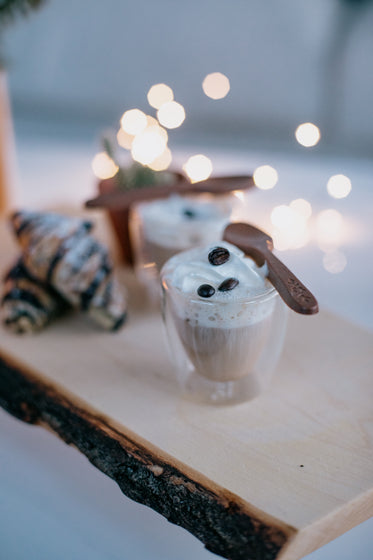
188 213
206 291
228 284
218 256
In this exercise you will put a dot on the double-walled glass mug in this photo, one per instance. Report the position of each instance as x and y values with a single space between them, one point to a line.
162 228
224 352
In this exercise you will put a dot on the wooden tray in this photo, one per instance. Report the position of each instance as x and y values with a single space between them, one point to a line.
274 478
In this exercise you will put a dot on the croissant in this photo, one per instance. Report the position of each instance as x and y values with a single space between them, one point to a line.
61 252
27 305
42 235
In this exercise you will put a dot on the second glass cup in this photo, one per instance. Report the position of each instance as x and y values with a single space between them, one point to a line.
162 228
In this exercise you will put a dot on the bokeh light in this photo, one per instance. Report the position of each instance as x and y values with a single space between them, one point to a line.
198 168
334 261
329 228
148 145
291 230
158 130
307 134
285 239
171 114
216 85
265 177
280 215
339 186
133 121
124 139
103 166
159 94
240 195
162 162
302 207
151 121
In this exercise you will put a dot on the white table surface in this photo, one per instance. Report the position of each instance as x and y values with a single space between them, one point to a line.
53 503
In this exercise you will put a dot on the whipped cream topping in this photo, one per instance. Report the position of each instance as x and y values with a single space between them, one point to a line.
184 222
189 270
186 272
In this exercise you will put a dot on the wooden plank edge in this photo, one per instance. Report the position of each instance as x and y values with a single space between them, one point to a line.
328 528
226 525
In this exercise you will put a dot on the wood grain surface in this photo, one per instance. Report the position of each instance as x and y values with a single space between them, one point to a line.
273 478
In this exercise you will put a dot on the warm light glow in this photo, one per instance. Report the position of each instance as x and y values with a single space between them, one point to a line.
334 262
171 114
265 177
198 168
301 207
307 134
291 230
148 145
281 240
281 215
103 166
339 186
124 140
240 195
216 85
133 121
151 121
162 162
285 239
329 228
159 94
162 132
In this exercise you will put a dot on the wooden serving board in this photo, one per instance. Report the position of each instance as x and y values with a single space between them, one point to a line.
274 478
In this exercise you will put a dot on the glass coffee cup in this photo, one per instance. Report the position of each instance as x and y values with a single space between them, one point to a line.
225 346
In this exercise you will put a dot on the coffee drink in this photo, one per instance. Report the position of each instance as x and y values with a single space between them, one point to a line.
221 305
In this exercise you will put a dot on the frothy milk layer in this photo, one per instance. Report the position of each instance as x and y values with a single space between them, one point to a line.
184 222
249 302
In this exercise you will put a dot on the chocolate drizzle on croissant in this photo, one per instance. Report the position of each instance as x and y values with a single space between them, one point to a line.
27 304
60 253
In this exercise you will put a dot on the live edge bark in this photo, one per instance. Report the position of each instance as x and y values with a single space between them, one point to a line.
221 524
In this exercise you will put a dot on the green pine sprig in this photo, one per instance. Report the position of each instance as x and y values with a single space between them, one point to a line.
10 10
135 176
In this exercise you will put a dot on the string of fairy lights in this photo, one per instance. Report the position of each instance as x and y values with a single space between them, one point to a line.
146 137
292 226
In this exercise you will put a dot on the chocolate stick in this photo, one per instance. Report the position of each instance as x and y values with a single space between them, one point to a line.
120 199
259 245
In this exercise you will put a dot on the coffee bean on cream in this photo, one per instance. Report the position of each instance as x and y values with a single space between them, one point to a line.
206 291
191 214
228 284
218 256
